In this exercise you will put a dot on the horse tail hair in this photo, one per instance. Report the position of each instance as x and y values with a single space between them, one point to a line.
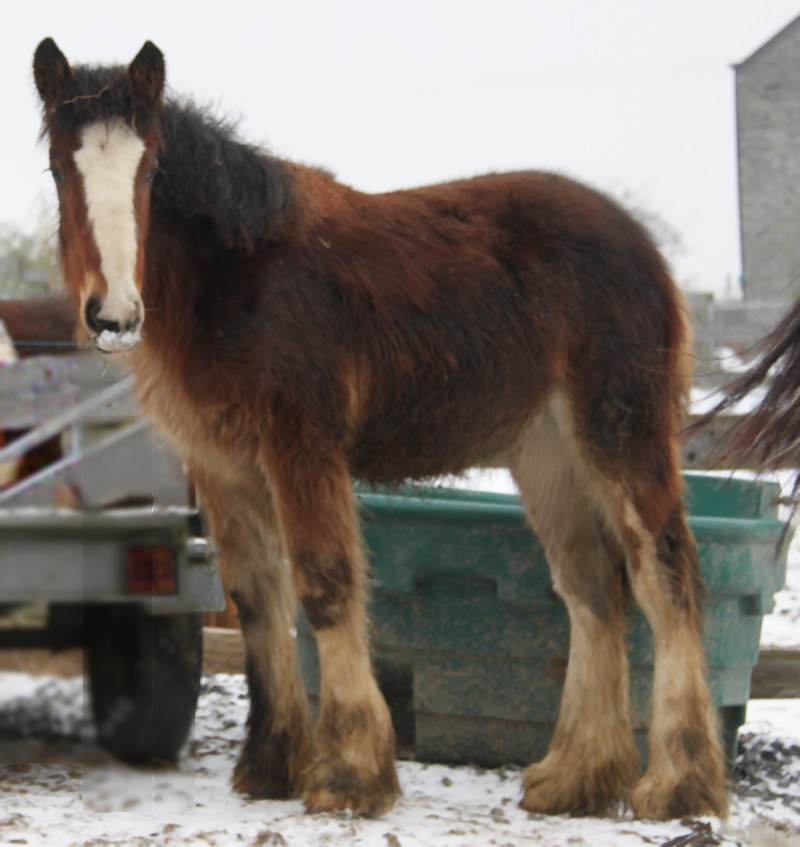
769 437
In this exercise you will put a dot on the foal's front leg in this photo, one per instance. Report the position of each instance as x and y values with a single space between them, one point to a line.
277 749
354 763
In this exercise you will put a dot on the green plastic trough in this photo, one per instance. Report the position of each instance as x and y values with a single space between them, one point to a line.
471 641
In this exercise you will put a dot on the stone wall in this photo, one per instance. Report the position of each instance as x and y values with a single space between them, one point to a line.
768 134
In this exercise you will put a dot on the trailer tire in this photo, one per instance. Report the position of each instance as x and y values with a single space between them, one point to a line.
144 677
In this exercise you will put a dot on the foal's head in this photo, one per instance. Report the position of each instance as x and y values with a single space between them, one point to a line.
103 126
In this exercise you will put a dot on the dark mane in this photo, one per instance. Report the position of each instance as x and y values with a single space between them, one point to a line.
237 189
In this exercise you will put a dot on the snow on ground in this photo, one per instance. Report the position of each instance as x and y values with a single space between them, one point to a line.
59 790
781 628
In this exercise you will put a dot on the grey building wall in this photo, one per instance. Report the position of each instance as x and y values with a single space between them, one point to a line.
768 135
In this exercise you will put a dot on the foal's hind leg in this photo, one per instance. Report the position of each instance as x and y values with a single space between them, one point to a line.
354 763
686 772
592 761
277 749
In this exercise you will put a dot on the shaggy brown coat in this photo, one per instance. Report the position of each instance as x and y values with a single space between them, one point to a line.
299 333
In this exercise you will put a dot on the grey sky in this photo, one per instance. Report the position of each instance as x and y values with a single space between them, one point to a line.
628 95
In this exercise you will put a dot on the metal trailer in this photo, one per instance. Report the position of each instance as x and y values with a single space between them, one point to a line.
124 572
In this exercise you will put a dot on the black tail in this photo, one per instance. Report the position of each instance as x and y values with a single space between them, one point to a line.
768 438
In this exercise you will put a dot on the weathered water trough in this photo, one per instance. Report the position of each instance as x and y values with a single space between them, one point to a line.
471 642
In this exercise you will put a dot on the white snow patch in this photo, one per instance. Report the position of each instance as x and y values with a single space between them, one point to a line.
492 480
116 342
781 628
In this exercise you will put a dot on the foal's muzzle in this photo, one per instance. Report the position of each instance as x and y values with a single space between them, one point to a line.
112 336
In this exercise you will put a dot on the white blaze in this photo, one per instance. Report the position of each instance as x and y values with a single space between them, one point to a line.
108 160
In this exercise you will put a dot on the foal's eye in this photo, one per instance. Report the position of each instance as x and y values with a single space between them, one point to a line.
58 175
151 175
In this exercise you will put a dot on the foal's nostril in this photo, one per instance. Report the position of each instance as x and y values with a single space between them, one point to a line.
93 320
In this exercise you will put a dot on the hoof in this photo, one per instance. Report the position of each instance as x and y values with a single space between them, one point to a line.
559 786
263 781
272 773
654 799
685 779
354 768
334 787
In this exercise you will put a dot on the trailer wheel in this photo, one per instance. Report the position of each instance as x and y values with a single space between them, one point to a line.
144 677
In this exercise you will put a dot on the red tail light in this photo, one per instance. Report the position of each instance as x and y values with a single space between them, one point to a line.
150 570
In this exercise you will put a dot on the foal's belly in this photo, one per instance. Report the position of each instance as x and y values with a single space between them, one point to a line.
417 444
417 436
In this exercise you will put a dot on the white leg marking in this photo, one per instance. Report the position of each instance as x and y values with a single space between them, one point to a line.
108 161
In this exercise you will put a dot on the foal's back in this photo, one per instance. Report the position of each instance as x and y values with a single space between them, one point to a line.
458 309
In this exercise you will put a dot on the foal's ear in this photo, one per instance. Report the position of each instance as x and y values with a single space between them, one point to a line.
51 71
146 73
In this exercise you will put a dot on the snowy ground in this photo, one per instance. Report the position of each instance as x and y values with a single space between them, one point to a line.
58 789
